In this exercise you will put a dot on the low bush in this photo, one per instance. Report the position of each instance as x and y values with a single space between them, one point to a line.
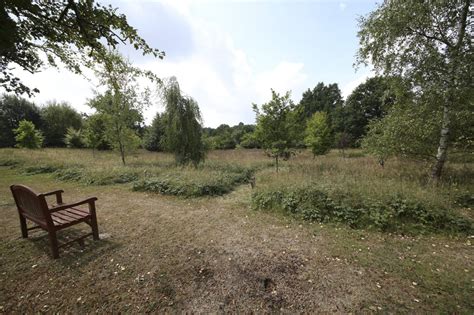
194 182
395 214
96 177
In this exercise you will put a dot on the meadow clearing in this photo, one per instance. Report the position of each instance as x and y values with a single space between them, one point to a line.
324 234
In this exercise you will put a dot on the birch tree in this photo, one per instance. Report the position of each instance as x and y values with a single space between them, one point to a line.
428 44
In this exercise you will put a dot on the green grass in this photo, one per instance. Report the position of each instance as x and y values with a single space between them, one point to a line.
353 190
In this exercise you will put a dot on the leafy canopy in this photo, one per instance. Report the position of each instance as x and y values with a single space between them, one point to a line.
369 100
122 104
57 118
75 33
94 132
14 109
274 126
429 46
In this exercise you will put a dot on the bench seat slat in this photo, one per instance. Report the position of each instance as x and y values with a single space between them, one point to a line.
68 216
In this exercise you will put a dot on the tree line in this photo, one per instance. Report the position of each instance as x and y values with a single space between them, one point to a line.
420 105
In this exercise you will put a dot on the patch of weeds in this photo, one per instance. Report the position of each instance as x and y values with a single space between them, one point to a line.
193 183
465 200
69 174
40 169
10 162
96 177
109 178
395 214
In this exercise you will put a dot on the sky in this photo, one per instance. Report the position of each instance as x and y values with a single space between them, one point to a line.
228 54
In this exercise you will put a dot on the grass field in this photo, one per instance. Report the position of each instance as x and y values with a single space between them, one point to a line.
195 239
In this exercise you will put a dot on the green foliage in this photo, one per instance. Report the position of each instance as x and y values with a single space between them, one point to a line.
27 136
226 137
75 33
183 131
122 105
194 182
57 118
274 127
40 169
94 132
155 133
318 134
428 45
342 141
250 141
97 177
14 109
74 138
370 100
397 214
408 130
323 98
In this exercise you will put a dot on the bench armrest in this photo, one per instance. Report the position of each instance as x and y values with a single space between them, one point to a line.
58 193
90 201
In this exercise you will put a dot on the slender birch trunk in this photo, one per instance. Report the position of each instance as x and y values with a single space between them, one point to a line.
442 153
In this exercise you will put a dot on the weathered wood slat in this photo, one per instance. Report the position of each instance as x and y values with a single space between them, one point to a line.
71 215
78 211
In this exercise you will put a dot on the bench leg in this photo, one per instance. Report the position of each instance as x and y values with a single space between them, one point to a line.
95 228
54 244
94 225
24 228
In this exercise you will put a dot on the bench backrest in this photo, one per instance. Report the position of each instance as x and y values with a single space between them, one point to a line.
31 204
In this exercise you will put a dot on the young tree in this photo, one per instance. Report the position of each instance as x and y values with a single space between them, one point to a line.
428 44
75 33
57 118
27 136
14 109
74 138
183 131
122 104
318 134
273 128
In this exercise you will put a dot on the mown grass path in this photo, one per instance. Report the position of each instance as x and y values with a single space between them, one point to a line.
216 254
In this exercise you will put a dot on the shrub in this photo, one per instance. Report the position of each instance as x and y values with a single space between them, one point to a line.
195 182
396 214
74 138
27 136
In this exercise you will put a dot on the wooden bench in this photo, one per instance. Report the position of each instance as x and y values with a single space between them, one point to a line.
32 206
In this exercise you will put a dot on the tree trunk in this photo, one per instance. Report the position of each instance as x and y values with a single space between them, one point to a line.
276 160
122 153
443 146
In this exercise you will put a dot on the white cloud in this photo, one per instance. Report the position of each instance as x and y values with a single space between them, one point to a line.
216 73
342 6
